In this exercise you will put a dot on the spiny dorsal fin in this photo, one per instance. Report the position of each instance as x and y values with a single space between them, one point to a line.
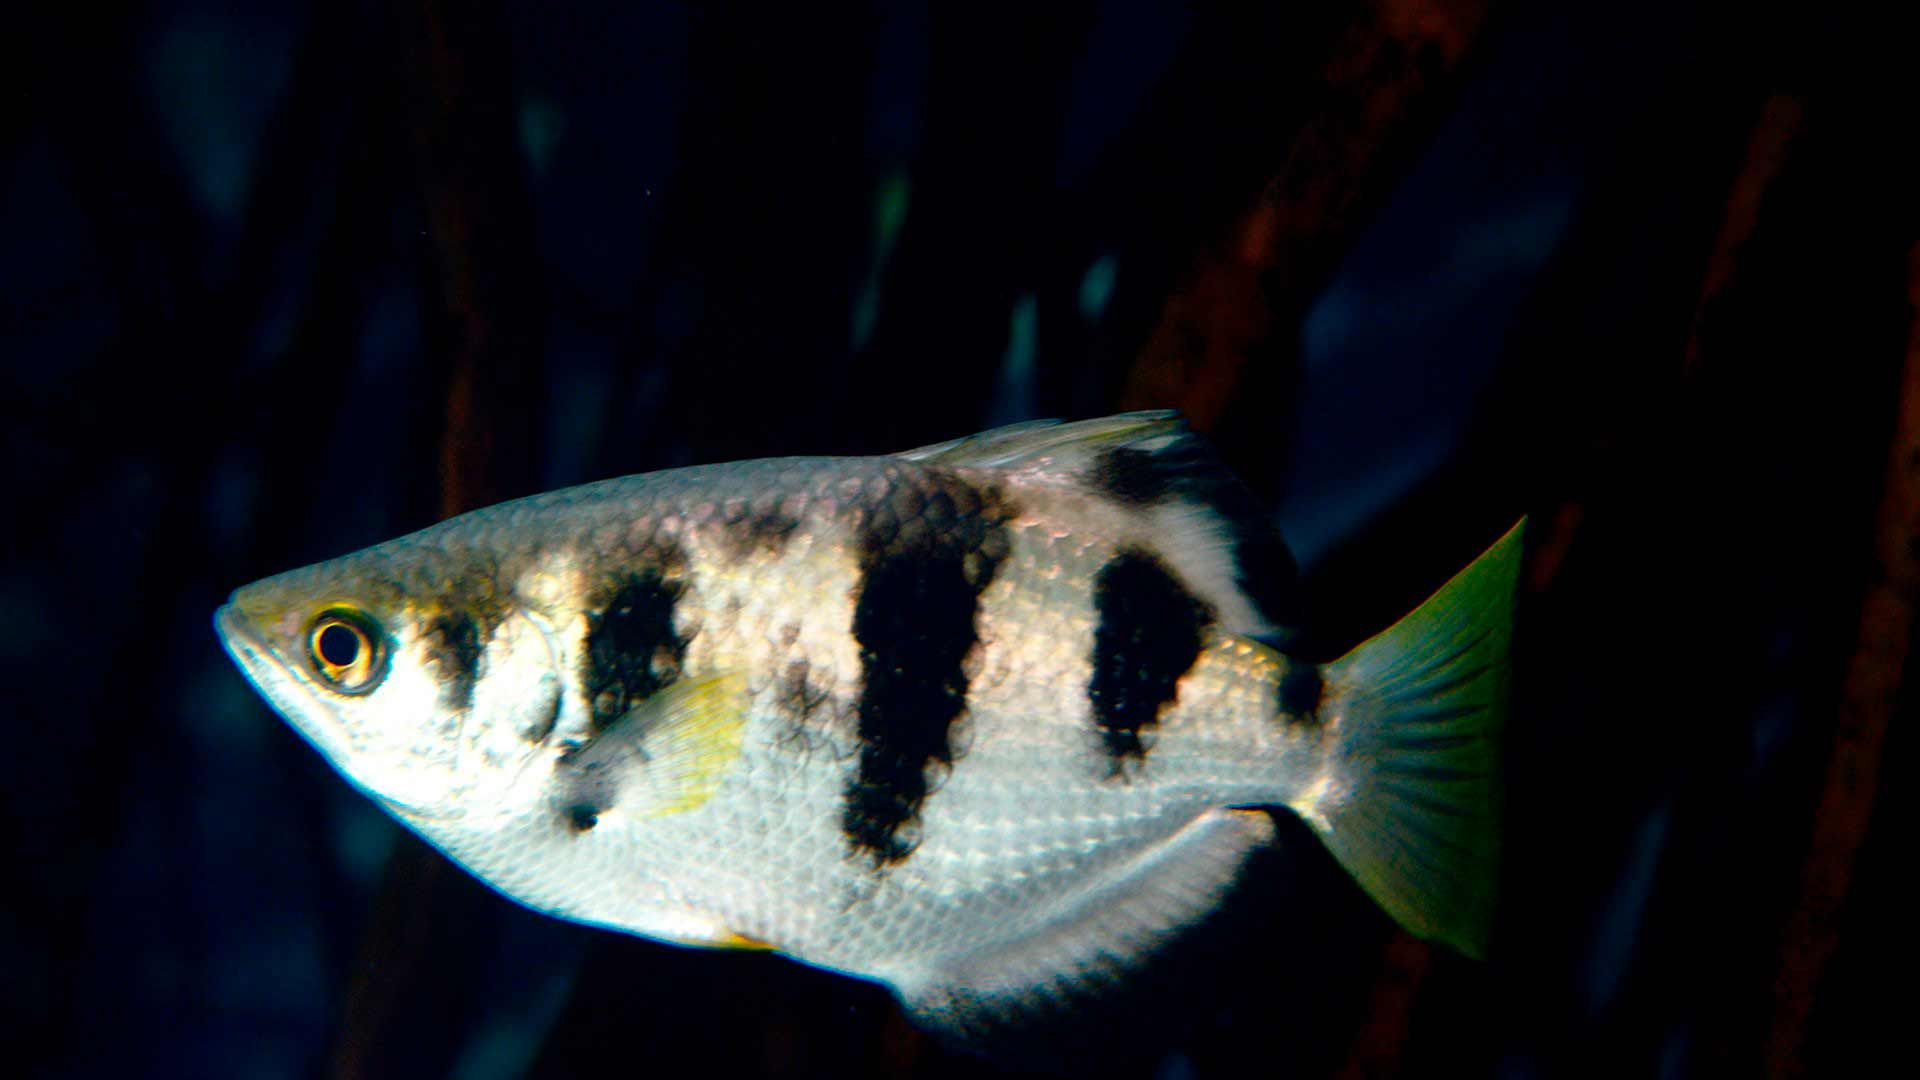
1068 444
1202 520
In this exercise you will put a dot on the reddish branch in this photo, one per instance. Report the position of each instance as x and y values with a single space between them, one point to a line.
1380 98
473 187
483 316
1382 94
1382 1038
1869 694
1766 151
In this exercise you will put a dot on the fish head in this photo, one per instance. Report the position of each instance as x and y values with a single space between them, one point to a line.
411 670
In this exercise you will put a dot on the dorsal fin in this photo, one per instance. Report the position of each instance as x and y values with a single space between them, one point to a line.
1203 520
1068 445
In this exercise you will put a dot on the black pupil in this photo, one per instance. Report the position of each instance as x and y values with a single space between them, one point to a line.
339 645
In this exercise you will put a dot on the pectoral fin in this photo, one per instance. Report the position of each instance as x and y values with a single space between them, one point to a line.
667 755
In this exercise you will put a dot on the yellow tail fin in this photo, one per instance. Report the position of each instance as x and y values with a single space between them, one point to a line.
1411 806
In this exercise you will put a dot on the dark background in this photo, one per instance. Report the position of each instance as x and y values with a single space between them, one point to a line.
281 282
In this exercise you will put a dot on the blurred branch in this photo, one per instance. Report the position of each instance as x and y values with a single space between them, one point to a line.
1766 151
1869 694
473 184
484 318
1382 1038
1384 87
1383 92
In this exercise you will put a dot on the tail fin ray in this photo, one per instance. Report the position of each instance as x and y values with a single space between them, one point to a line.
1410 805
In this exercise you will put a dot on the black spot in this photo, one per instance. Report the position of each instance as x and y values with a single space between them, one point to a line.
1149 635
915 624
796 694
1132 475
453 649
587 780
582 817
764 530
1297 695
632 647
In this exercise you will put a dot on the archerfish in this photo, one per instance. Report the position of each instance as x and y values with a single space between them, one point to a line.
988 722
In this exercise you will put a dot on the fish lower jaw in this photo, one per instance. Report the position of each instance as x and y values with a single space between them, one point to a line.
294 702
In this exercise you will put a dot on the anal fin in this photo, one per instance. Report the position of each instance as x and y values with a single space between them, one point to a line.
994 997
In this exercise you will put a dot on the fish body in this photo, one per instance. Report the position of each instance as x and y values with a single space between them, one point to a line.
988 721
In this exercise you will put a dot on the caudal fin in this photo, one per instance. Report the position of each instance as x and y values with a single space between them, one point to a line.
1410 801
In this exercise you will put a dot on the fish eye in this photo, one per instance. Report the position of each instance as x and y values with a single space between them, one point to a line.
347 650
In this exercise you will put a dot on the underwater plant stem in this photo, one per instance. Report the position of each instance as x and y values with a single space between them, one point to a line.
1767 150
1384 86
483 313
1382 1038
1869 694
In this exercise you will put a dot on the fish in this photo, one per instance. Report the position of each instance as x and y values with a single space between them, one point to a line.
989 722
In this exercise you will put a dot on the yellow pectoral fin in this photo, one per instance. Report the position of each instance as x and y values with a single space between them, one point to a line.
691 733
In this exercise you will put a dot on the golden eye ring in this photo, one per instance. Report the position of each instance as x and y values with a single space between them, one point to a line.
347 650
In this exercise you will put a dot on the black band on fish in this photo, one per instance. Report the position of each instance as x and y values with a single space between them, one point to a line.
742 524
1184 474
1297 694
632 648
761 529
1133 476
453 649
928 549
1149 635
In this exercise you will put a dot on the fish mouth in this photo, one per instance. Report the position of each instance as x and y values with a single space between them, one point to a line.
256 659
286 689
237 635
276 681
